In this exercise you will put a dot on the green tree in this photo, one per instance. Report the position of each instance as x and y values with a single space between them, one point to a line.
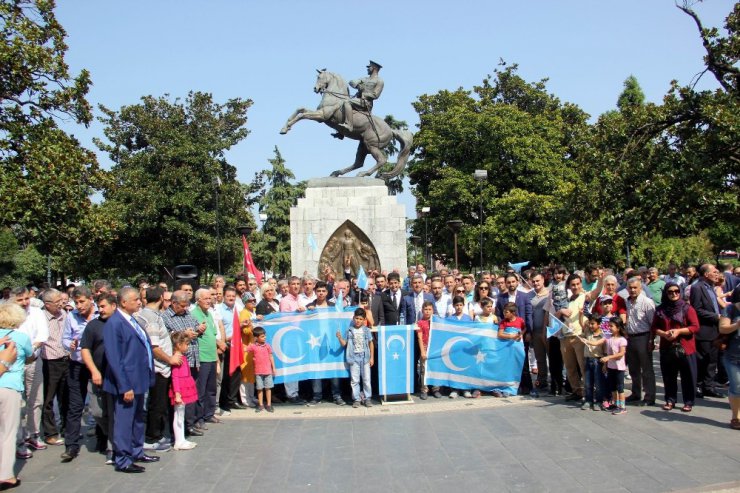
525 138
169 164
43 170
19 266
632 95
271 247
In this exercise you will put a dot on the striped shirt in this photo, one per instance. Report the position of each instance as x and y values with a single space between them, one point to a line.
179 323
52 348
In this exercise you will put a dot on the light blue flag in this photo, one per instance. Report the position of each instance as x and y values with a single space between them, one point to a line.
305 345
555 325
469 355
312 242
362 279
339 302
396 359
518 266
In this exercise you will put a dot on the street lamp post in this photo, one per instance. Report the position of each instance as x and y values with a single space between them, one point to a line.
218 229
481 175
455 225
425 212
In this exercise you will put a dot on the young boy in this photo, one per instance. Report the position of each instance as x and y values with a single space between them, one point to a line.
593 350
511 327
458 303
427 310
264 368
359 355
606 313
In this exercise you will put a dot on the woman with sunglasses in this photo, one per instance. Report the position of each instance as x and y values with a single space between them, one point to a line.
676 323
482 290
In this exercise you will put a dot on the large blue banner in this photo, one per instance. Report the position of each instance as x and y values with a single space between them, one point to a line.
469 355
305 345
396 359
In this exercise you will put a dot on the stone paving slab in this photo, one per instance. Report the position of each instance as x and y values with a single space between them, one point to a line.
467 445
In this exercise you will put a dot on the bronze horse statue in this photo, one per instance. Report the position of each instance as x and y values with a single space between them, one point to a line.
373 133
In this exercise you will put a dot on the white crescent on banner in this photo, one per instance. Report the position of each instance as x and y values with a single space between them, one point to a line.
446 353
395 338
277 339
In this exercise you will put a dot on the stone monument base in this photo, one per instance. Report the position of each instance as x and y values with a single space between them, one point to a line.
329 203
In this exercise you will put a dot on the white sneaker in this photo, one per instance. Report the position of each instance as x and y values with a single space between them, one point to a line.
224 412
186 445
453 395
467 394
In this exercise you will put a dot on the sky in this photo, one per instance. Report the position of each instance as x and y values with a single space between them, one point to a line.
269 52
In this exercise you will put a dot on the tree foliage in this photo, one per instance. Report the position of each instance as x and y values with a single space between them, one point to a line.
275 195
169 164
46 177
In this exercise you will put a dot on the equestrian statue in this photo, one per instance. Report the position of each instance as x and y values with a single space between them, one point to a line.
352 117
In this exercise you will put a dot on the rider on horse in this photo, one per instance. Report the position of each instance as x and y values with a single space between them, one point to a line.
368 90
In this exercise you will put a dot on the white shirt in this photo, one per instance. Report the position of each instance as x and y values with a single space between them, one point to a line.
35 326
444 305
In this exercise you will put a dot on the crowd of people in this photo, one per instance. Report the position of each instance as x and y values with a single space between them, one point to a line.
153 363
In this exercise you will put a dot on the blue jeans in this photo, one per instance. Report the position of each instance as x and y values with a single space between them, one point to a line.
355 369
595 381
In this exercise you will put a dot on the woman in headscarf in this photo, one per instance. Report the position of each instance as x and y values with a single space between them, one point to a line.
676 323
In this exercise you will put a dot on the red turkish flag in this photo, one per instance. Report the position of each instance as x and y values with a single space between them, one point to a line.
236 354
249 263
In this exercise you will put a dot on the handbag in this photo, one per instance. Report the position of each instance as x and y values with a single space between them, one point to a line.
677 350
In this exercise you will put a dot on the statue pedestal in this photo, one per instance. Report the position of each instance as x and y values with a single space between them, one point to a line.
330 203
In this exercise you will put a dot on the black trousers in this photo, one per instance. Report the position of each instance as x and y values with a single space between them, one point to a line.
158 410
555 360
707 354
671 367
77 379
55 386
205 407
639 359
229 384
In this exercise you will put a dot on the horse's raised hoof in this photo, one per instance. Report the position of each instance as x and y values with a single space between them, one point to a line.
335 173
284 130
363 174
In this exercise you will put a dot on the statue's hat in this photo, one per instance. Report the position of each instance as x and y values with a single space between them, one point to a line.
375 64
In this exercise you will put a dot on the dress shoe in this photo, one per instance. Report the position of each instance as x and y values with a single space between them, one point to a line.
713 393
633 398
194 432
131 468
147 458
6 485
645 403
238 406
201 426
214 420
69 455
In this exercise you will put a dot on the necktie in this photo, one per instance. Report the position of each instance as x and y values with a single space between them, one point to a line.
394 300
142 336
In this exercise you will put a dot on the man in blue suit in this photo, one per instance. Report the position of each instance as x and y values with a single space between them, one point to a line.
127 378
524 311
411 303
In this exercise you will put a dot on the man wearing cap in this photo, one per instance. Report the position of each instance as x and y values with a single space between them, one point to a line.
368 90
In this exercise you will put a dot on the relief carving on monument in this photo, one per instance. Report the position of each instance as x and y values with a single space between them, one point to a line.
348 248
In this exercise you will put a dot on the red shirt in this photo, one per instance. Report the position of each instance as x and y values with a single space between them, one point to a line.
517 323
261 352
687 341
424 327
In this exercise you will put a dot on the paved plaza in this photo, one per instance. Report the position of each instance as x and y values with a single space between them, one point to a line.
465 445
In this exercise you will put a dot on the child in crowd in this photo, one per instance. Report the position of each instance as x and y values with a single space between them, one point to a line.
607 312
183 390
458 303
427 310
595 381
616 347
359 354
511 327
264 369
487 314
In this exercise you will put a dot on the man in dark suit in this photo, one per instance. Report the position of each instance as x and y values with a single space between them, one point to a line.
393 299
375 304
704 300
523 304
128 376
414 300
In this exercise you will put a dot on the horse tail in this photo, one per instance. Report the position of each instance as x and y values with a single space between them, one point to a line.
405 139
